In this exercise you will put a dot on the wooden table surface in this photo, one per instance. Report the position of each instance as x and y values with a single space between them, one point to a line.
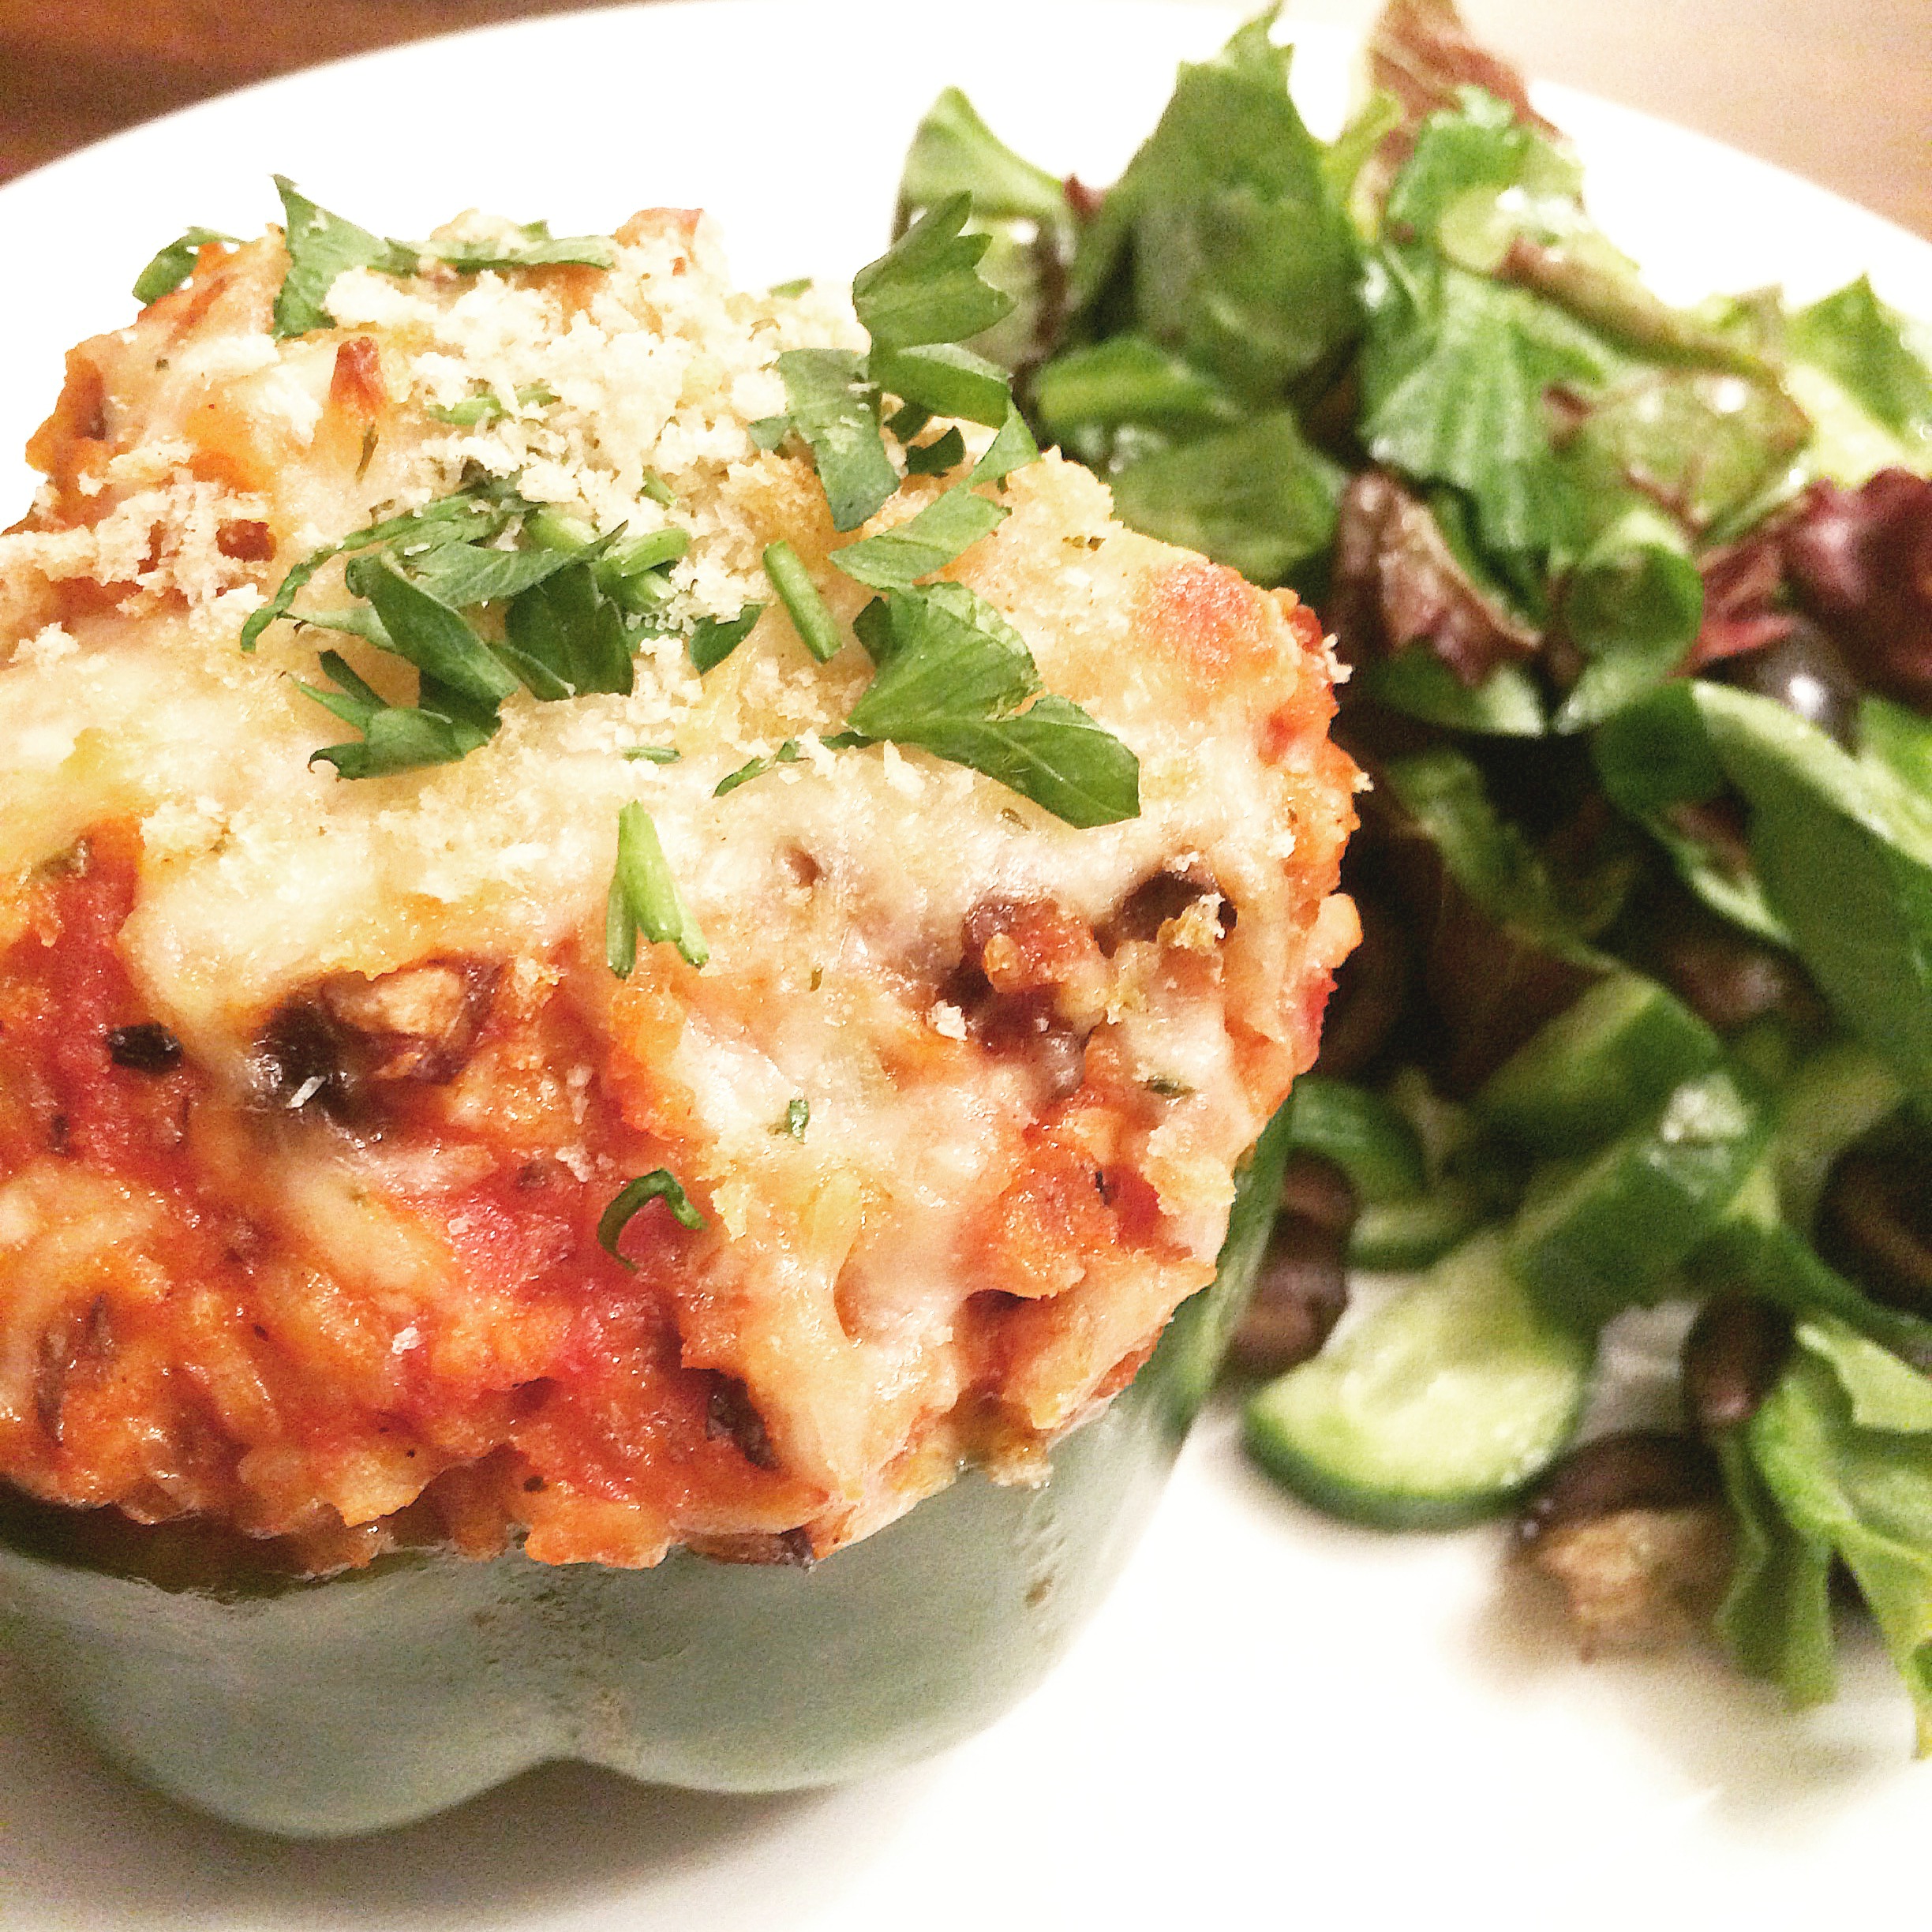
1838 90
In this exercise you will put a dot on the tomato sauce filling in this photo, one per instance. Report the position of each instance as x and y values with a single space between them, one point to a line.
539 1368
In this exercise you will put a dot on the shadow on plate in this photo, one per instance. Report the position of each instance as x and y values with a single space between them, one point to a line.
82 1847
1758 1765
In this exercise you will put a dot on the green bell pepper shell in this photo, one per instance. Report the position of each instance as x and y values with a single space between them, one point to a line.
321 1707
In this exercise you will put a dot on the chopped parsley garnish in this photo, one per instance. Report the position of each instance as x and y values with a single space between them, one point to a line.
468 516
485 407
788 754
785 290
175 262
574 608
836 411
814 624
797 1118
946 379
322 246
936 458
926 287
897 559
953 676
633 1197
644 898
715 638
440 729
567 630
653 755
536 248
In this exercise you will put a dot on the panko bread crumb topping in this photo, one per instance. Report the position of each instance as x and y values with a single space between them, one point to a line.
538 1004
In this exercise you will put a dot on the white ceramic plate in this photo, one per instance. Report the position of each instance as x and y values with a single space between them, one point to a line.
1276 1719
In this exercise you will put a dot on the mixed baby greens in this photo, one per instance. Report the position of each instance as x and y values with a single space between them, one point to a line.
1637 605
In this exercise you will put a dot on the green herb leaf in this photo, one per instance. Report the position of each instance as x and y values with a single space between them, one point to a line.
565 630
907 421
430 636
797 1117
936 458
653 755
926 286
1053 753
175 262
897 559
461 575
787 291
715 638
952 673
1024 208
1013 448
832 407
321 246
768 431
644 898
1256 497
946 379
395 738
941 648
535 247
788 753
633 1197
463 516
817 627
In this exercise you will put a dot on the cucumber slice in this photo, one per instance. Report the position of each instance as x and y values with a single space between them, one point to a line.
1365 1136
1598 1068
1436 1409
1594 1238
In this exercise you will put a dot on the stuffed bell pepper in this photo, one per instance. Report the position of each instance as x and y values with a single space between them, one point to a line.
633 944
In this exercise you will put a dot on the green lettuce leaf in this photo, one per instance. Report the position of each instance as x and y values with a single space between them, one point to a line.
1225 232
1255 496
1864 1492
1869 348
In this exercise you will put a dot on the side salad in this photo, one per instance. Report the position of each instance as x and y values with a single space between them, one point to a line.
1637 602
